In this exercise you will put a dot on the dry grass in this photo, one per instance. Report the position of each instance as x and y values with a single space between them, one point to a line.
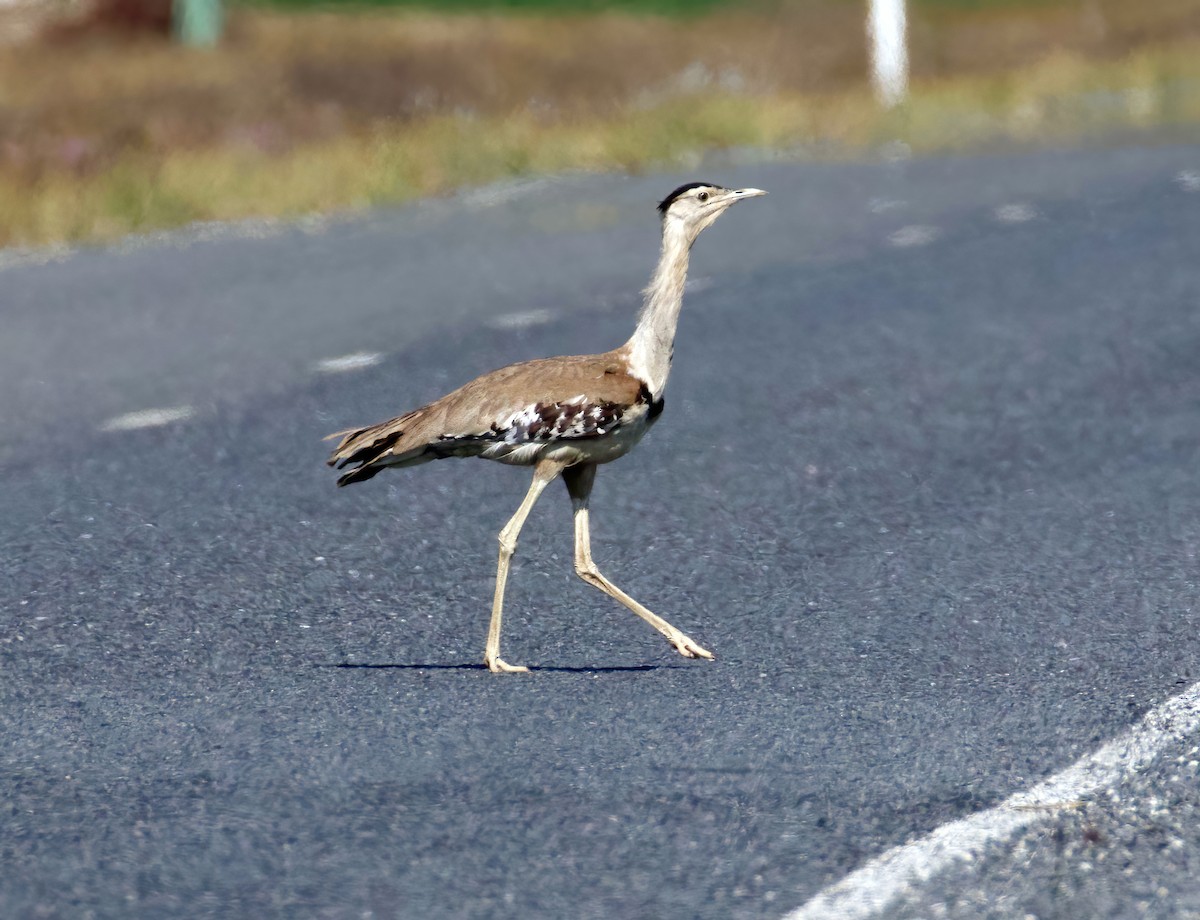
294 114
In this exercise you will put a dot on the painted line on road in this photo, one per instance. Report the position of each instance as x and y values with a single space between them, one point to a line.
883 205
875 887
523 320
914 235
1016 213
343 363
1189 180
148 418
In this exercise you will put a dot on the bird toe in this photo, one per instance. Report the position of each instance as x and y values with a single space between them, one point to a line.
689 649
500 666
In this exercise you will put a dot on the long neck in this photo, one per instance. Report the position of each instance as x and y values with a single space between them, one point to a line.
649 350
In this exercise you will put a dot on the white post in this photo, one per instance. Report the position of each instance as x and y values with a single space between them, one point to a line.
889 51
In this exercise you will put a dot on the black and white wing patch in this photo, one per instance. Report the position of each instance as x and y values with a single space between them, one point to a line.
521 435
560 421
524 434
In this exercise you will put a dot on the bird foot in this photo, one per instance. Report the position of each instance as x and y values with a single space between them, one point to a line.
498 665
687 648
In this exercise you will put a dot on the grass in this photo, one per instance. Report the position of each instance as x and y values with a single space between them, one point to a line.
561 7
313 113
644 7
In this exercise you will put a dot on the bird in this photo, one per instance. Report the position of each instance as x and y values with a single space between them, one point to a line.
563 416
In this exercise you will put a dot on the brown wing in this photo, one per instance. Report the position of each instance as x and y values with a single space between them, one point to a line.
512 404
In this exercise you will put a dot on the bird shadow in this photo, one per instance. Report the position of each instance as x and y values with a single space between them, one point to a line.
536 669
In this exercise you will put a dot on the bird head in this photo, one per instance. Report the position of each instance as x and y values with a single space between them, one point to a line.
694 206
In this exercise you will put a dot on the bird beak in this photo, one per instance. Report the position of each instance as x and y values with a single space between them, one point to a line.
718 203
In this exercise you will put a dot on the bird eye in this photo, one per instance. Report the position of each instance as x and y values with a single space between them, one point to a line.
703 196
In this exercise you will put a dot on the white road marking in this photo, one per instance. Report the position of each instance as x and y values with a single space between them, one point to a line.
882 205
343 363
1017 213
914 235
522 320
1189 180
872 889
148 418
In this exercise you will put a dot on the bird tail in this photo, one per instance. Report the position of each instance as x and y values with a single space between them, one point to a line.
376 447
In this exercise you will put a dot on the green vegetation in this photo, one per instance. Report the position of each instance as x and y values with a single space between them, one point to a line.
324 112
559 7
1062 100
975 6
651 7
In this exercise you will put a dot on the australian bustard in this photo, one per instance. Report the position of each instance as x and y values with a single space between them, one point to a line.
559 415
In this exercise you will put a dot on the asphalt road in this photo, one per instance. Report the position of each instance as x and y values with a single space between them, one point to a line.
926 484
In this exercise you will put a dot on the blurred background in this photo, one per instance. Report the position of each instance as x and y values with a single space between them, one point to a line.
123 116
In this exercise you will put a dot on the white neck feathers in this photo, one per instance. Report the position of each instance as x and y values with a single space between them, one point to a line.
649 350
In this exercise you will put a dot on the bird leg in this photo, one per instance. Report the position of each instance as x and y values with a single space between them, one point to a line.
579 481
543 474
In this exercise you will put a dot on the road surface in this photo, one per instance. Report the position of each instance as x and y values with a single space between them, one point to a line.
926 484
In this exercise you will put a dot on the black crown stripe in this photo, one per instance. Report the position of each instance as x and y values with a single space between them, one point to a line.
669 200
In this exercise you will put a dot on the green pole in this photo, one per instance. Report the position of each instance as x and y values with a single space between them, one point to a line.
196 22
